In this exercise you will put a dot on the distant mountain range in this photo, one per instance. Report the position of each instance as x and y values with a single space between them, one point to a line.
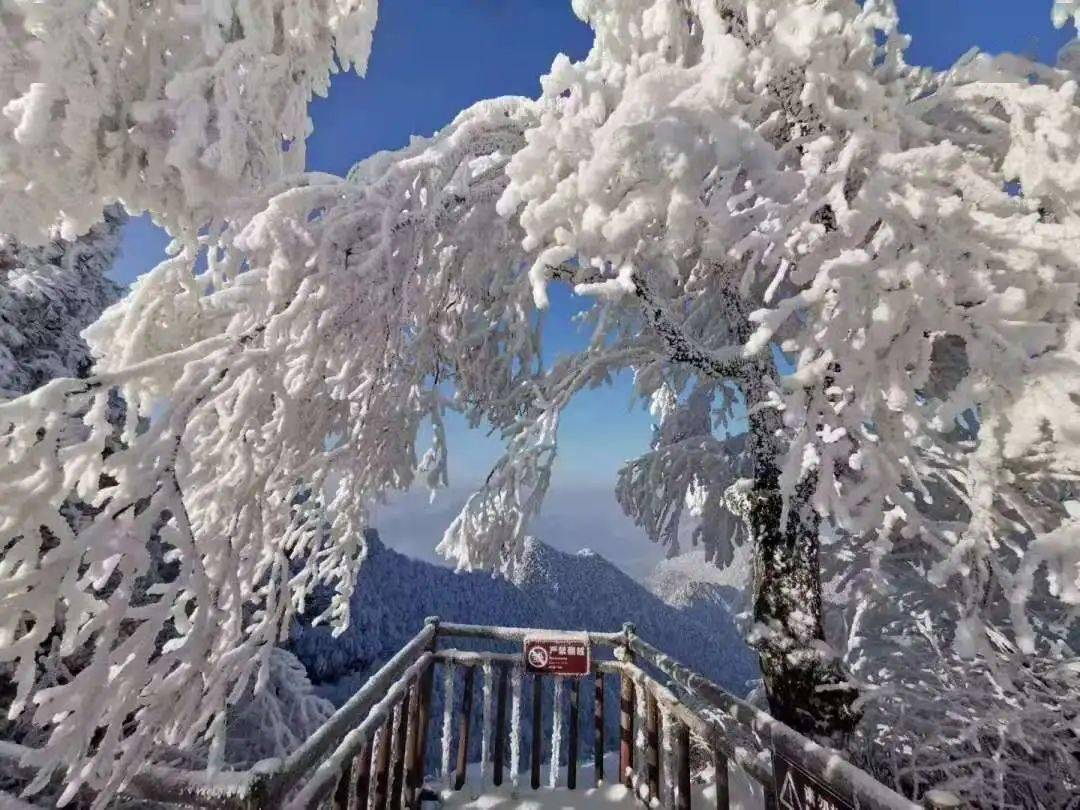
548 588
686 618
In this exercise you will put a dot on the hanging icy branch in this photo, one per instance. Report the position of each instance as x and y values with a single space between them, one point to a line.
250 418
171 110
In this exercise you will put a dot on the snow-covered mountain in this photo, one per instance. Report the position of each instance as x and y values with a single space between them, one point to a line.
702 591
549 589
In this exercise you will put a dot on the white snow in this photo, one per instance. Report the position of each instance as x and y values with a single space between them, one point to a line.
515 725
447 722
556 732
745 794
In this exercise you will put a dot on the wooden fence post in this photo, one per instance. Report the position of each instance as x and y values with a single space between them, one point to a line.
340 799
466 718
382 764
652 746
417 752
627 709
362 765
598 724
416 755
682 784
397 785
626 730
572 748
720 768
500 726
537 731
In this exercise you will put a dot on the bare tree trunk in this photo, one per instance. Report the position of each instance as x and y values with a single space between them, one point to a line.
805 684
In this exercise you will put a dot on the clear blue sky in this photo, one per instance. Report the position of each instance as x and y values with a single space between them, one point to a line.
432 58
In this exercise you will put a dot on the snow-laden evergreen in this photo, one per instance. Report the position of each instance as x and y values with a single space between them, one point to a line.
48 295
275 716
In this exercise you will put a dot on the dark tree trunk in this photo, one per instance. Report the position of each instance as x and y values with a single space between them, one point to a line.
806 686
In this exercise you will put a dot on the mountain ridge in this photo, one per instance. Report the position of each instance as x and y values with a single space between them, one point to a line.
547 588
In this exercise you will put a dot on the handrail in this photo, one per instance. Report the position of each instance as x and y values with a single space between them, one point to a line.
267 781
681 708
694 714
518 634
475 658
355 710
323 779
699 705
825 763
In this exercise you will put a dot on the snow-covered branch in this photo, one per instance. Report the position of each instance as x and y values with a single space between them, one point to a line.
169 107
252 417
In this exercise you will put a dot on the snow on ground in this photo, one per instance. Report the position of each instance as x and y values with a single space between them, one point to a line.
745 794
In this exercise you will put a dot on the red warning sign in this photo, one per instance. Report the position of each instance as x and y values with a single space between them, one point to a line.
558 655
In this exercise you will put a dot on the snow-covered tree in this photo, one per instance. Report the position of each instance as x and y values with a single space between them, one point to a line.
48 295
997 729
170 107
775 216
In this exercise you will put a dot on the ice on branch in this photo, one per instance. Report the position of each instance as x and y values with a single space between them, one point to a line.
251 417
167 107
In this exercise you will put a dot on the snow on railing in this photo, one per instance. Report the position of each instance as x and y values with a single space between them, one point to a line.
372 752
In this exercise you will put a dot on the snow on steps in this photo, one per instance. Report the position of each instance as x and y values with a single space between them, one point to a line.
745 794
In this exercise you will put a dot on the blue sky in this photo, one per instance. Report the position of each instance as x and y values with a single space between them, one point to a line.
431 58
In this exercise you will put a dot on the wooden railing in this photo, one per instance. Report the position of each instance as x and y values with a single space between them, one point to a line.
373 751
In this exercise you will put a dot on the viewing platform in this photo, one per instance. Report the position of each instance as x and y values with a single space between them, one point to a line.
661 736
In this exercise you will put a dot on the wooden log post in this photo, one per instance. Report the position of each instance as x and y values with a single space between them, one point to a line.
340 800
572 747
465 719
627 706
498 744
652 746
682 766
397 784
416 756
667 757
537 731
362 767
382 764
720 768
598 727
626 730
